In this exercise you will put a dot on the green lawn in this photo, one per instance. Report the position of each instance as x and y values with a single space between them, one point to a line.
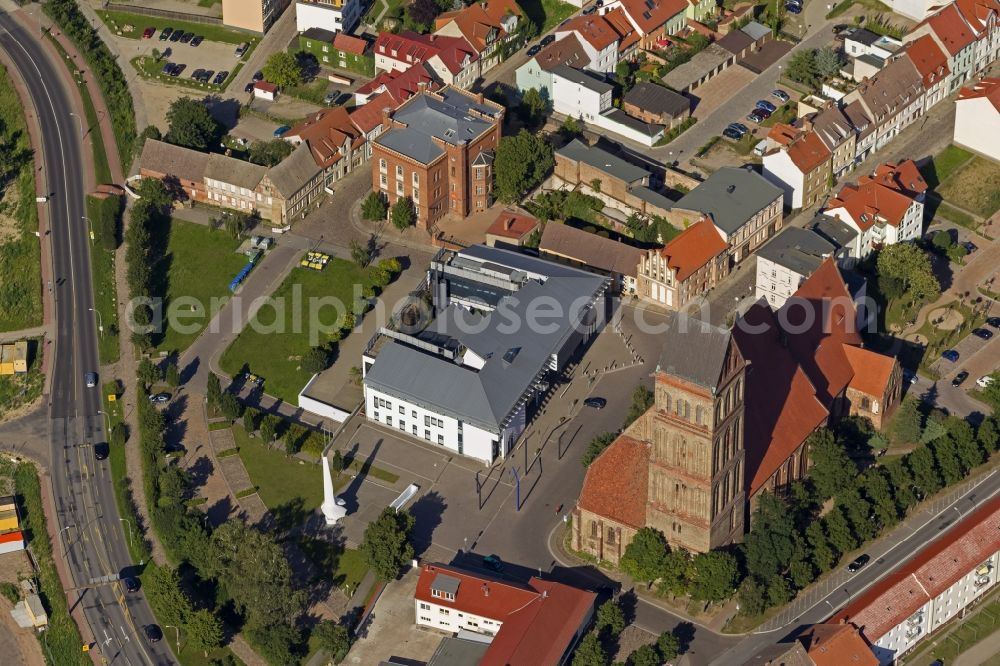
119 476
201 262
280 479
944 164
102 267
547 13
975 186
275 357
348 565
951 213
784 114
20 254
19 390
213 33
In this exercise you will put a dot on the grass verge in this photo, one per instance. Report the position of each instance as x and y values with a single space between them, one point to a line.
213 33
937 170
17 391
975 185
281 480
102 269
137 546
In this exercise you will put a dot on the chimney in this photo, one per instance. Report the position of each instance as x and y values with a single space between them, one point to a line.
422 86
486 590
508 223
386 115
731 189
480 98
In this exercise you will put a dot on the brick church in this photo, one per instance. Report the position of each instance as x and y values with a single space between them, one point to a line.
733 409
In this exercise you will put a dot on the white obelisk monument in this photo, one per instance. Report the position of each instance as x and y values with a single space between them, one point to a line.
331 509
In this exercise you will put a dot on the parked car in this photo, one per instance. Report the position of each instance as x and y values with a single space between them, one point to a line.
984 381
969 246
241 49
331 97
493 562
220 78
780 95
994 322
596 403
767 106
187 37
159 397
101 451
258 75
731 133
148 33
167 68
982 333
756 116
793 8
859 561
196 40
131 584
90 379
764 112
547 39
280 131
248 88
533 51
909 376
196 74
959 378
165 34
588 11
950 355
153 633
176 35
740 127
206 76
178 68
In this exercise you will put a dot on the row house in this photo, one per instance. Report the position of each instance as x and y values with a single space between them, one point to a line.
953 35
932 64
298 184
930 589
483 25
835 130
438 150
684 269
788 261
451 59
982 18
977 118
652 20
892 100
335 142
799 163
884 208
599 38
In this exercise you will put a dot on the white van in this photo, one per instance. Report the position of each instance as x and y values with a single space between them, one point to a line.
759 149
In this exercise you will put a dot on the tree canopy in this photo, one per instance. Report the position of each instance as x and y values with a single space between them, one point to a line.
386 544
644 557
282 69
832 470
911 265
269 153
191 125
403 213
522 163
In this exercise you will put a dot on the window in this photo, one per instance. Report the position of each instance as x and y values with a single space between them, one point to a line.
382 164
441 439
383 181
388 421
402 425
402 410
427 420
413 413
424 606
414 429
427 434
611 536
593 528
416 179
399 171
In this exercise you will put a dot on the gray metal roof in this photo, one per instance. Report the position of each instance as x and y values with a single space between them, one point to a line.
860 35
756 30
447 115
694 350
513 355
658 99
453 651
697 67
320 35
294 172
636 125
171 160
798 250
736 41
731 196
652 197
585 79
602 160
445 583
834 230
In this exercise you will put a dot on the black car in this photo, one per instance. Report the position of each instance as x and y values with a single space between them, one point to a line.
547 39
187 37
588 11
176 35
258 75
131 584
101 451
739 127
731 133
153 633
859 561
994 322
196 74
165 34
220 77
248 88
596 403
493 562
196 40
533 51
206 75
169 67
982 333
178 68
794 9
959 378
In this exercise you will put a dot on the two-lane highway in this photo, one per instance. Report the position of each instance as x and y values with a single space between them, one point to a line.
91 534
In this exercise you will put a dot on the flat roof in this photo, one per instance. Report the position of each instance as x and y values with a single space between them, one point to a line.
697 67
580 77
799 250
731 196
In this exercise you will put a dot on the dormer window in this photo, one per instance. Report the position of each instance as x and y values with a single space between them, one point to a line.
444 587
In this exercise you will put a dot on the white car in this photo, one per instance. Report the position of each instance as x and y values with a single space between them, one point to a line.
984 381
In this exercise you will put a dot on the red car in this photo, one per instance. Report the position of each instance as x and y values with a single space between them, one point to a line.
148 33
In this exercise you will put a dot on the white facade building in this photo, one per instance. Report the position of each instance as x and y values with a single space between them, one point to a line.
977 118
913 9
579 94
332 15
788 261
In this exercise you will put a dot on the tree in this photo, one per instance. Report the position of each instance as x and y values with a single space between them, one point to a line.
645 655
642 400
858 512
164 585
902 484
403 213
360 254
946 459
669 645
334 638
611 617
801 569
317 359
172 375
802 67
391 266
213 392
596 447
386 543
942 241
925 474
374 207
623 74
964 438
988 434
522 162
752 597
832 469
991 394
876 487
293 439
275 641
118 435
839 531
644 557
715 576
828 62
769 544
269 153
251 417
282 69
778 591
911 265
570 128
204 630
533 107
906 424
191 125
822 555
676 574
269 427
589 652
336 460
230 406
148 372
420 15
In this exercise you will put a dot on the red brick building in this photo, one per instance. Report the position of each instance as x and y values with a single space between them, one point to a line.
438 150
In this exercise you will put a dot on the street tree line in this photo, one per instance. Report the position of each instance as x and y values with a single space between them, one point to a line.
597 646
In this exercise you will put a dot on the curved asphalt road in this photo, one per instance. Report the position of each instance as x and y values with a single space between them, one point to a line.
91 536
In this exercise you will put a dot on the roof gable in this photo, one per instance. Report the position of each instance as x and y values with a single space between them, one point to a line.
615 485
693 248
650 15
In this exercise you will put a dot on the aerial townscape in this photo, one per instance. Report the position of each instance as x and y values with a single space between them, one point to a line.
500 332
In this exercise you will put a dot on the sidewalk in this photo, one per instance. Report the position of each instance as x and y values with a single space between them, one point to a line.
981 652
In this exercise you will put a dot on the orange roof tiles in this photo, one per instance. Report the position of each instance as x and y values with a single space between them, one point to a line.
595 30
478 20
903 177
406 46
783 134
837 645
977 12
693 248
511 224
325 132
479 595
566 51
872 371
349 44
870 202
11 537
988 88
924 576
651 15
928 59
615 484
951 29
369 116
807 152
619 21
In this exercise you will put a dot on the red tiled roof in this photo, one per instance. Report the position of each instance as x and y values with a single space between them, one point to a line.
594 29
693 248
419 48
369 116
349 44
477 594
903 177
540 632
976 12
477 20
619 21
511 224
951 29
783 134
455 52
650 15
988 88
929 60
615 484
869 202
807 152
924 576
401 85
872 371
782 408
837 645
566 51
325 132
266 87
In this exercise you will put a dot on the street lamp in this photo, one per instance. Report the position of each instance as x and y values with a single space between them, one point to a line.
60 539
126 520
100 322
79 120
178 634
90 225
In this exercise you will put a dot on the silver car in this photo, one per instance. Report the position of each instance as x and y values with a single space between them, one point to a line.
90 379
